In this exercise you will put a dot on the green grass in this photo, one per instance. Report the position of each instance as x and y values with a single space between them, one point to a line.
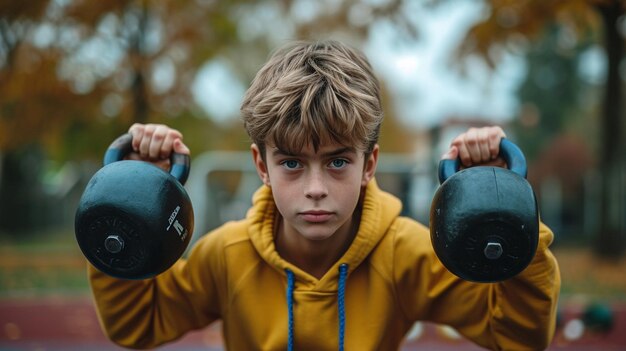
586 277
47 264
52 264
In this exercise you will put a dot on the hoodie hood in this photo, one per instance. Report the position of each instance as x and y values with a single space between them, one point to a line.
376 218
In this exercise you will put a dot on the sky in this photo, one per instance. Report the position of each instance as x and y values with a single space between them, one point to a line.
426 87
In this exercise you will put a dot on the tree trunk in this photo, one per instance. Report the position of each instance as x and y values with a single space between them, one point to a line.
138 57
610 238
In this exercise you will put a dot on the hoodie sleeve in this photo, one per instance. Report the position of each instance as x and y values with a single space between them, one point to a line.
516 314
146 313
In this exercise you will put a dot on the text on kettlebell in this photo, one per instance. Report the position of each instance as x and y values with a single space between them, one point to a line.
182 232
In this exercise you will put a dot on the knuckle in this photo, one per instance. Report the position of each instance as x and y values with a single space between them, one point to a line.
173 133
466 159
484 135
148 131
458 141
135 127
497 131
158 136
494 134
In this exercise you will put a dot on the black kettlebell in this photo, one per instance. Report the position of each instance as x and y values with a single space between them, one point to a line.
484 222
134 220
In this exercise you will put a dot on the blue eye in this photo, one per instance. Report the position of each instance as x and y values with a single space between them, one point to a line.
291 164
338 163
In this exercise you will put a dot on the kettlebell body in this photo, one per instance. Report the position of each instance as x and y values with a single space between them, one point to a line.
484 221
134 220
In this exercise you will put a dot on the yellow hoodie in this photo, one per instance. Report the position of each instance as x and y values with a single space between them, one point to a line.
388 279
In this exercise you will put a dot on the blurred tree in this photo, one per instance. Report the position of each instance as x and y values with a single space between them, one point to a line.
551 93
91 69
350 21
511 23
75 74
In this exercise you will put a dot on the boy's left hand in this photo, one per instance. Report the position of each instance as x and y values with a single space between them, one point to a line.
477 146
155 143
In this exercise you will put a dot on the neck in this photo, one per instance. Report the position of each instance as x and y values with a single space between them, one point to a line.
315 257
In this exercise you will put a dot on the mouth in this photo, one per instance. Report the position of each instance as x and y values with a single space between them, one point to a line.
316 216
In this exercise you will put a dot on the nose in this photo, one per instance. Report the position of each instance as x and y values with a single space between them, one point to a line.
315 186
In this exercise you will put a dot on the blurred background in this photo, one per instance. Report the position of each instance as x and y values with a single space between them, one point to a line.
75 74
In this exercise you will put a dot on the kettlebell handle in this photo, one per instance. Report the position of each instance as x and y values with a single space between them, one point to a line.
511 153
122 146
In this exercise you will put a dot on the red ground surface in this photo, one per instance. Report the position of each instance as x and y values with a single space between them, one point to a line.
71 324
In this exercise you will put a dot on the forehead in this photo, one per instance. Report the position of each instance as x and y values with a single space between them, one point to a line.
325 149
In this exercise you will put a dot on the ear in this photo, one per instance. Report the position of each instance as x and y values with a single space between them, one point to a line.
260 165
370 166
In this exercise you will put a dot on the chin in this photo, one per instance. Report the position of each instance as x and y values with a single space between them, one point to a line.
316 235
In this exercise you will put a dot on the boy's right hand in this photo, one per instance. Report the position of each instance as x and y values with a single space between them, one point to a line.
155 143
477 147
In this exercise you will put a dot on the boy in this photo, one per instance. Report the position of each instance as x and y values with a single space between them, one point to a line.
323 260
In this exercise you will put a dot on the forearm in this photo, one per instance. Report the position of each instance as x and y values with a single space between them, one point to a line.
524 307
516 314
123 308
144 313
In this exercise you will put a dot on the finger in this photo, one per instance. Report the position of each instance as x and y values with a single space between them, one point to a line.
168 143
451 154
180 147
483 144
136 130
144 145
495 136
166 147
473 147
463 152
156 142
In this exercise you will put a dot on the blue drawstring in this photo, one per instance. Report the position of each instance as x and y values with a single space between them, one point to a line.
290 281
343 275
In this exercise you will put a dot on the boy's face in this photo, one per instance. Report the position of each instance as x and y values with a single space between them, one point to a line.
316 192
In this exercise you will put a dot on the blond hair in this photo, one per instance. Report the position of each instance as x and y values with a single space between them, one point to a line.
312 93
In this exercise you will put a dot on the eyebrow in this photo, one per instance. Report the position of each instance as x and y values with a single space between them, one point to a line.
336 152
